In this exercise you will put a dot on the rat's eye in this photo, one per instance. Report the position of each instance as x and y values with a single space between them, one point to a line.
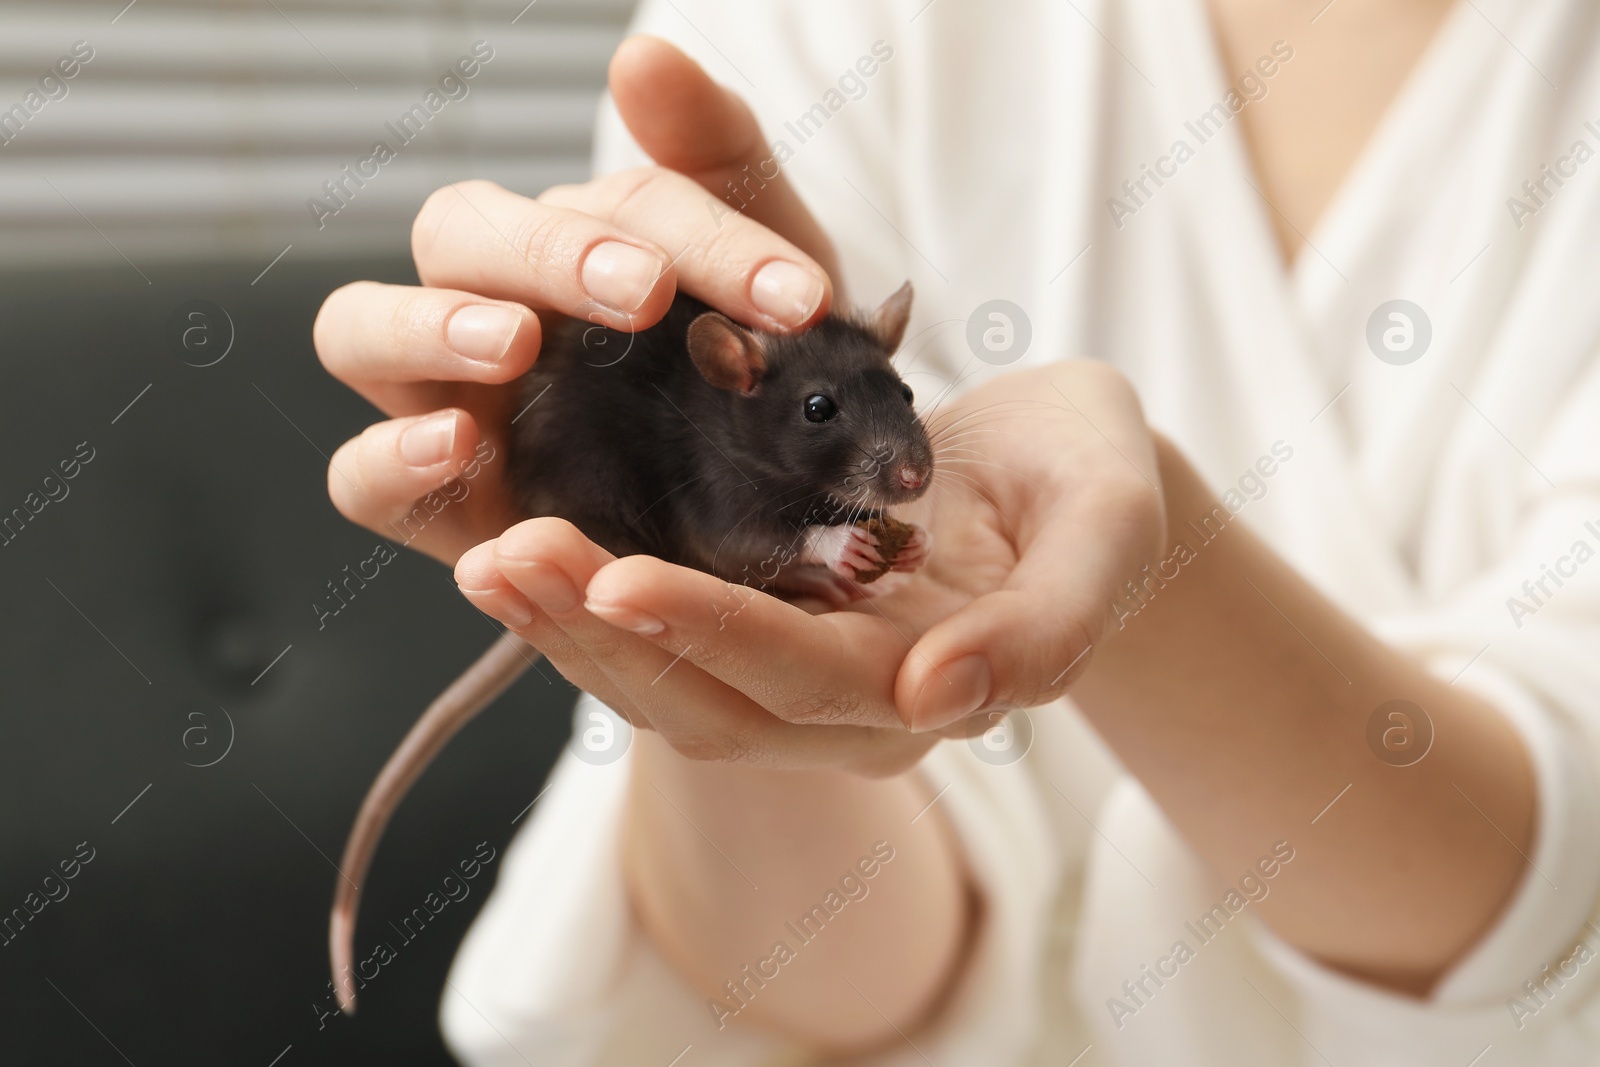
819 408
905 391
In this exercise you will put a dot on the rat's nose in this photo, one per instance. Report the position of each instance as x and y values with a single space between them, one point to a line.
911 477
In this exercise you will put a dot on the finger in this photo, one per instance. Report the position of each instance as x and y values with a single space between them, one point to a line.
396 477
479 578
479 237
736 265
367 333
549 560
1026 643
807 669
544 559
688 123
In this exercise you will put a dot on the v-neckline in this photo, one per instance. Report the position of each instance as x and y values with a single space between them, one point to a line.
1376 154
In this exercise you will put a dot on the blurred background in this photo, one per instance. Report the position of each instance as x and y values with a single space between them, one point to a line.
177 706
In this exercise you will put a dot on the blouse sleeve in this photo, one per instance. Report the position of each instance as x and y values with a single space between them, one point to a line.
1523 633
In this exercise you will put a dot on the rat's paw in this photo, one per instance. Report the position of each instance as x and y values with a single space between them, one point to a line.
844 550
914 553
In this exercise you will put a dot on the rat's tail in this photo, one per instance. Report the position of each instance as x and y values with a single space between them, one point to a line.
469 694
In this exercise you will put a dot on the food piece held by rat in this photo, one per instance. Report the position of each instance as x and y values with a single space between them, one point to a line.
765 459
900 545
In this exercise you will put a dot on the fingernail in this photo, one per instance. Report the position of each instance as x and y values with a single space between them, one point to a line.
422 444
624 618
787 292
482 332
547 584
506 605
620 275
951 693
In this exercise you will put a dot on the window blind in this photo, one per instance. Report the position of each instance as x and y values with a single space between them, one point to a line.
167 129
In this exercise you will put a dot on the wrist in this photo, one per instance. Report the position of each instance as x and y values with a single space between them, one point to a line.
1187 509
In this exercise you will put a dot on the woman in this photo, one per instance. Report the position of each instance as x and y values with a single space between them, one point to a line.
1300 544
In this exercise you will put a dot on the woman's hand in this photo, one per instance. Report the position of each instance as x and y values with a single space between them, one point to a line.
1037 514
1019 509
439 359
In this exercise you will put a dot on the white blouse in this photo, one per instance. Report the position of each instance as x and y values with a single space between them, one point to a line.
1436 474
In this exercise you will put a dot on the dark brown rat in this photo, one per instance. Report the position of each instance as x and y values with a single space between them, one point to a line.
761 458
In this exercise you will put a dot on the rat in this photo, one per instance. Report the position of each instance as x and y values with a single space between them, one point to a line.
765 459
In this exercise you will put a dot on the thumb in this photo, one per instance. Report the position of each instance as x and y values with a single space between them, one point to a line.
1025 643
688 123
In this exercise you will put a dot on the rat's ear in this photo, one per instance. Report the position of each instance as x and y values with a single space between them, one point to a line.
726 354
888 323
